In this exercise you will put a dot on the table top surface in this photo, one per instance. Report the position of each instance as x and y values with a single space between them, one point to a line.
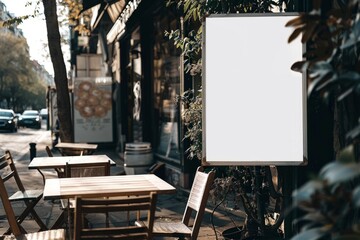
105 186
86 146
60 162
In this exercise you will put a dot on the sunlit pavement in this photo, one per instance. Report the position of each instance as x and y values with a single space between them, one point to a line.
168 206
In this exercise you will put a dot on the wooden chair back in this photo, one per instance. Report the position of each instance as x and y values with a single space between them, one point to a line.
60 172
48 151
8 170
196 203
87 170
122 205
197 200
80 170
7 165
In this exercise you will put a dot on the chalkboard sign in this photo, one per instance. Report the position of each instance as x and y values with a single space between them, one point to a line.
254 105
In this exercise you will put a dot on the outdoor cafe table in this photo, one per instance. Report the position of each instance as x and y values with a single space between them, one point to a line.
85 147
60 162
105 186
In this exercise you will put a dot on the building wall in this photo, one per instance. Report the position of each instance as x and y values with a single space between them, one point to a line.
146 68
5 15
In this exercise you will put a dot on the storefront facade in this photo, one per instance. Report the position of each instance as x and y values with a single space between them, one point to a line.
147 74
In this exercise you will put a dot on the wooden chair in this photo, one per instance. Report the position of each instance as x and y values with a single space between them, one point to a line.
60 172
29 197
120 231
18 232
196 202
48 151
87 170
79 170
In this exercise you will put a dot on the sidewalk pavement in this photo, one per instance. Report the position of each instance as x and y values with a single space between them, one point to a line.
169 207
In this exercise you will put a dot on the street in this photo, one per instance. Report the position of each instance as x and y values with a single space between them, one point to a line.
18 142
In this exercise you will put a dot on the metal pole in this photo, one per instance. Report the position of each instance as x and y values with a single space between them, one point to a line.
48 92
259 199
32 151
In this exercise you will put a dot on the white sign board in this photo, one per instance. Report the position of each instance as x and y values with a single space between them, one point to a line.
93 110
53 110
254 106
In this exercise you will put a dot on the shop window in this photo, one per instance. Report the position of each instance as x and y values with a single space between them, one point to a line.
166 89
135 85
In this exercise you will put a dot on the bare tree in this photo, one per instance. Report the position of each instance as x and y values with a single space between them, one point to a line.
60 75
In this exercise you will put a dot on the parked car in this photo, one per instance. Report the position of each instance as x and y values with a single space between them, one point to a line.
30 118
8 120
44 113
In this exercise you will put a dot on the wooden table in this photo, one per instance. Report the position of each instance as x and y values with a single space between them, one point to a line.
108 186
76 148
60 162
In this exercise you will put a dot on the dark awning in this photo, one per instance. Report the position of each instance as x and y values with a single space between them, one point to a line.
87 4
112 8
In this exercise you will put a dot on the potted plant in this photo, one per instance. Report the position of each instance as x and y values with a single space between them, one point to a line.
252 190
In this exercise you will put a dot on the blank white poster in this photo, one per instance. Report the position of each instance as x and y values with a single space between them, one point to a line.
254 106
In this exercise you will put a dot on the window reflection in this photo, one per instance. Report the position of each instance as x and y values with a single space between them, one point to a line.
166 88
135 84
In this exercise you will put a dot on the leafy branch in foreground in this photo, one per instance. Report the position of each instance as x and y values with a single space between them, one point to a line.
16 20
192 117
331 203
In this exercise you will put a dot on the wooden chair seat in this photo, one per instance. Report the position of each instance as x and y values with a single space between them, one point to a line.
196 203
56 234
27 194
171 229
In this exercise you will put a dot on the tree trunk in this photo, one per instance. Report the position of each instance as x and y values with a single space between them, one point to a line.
60 75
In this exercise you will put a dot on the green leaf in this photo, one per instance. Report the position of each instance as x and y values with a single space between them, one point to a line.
312 234
354 132
310 220
321 68
308 32
347 155
295 34
337 172
305 192
316 217
350 76
350 42
353 38
356 196
299 66
349 236
321 71
295 22
186 5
